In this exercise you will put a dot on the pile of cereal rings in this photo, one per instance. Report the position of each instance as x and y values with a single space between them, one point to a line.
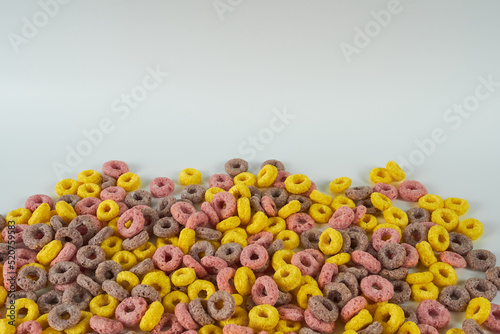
266 253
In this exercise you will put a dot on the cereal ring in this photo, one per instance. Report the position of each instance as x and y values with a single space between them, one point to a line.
265 291
384 236
77 296
107 270
415 233
306 262
470 326
166 227
480 259
433 313
221 305
198 310
359 193
86 225
105 326
480 287
459 205
90 257
37 236
229 252
492 322
88 283
446 218
387 190
377 288
130 311
353 307
478 309
63 272
338 293
168 258
116 194
460 243
402 292
138 197
493 275
49 300
31 278
200 249
323 309
115 168
366 260
64 316
213 264
254 256
28 327
130 223
34 201
418 215
236 166
471 227
411 191
342 218
310 239
115 290
164 206
194 192
395 274
184 317
224 205
161 187
312 321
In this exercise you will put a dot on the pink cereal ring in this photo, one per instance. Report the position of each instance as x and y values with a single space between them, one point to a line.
316 324
306 262
387 190
342 218
211 213
299 222
34 201
359 212
161 187
254 256
224 204
181 311
197 219
269 206
168 258
493 320
236 329
411 191
29 327
279 182
428 224
105 326
181 211
213 264
366 260
380 234
136 226
412 256
131 310
327 273
262 238
453 259
66 254
116 194
223 279
433 313
24 256
377 288
87 206
115 168
426 329
168 325
190 262
123 207
18 232
291 312
265 291
318 256
352 308
222 181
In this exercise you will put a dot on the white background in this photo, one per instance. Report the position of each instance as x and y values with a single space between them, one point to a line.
231 69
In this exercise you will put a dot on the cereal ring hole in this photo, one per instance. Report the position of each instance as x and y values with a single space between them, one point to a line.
22 313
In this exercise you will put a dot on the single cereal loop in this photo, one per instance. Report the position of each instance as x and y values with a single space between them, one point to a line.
383 236
266 176
444 274
297 183
129 181
49 252
330 241
340 184
478 309
131 310
377 288
455 298
380 201
438 238
446 218
492 322
130 223
387 190
359 321
396 216
431 202
152 316
426 254
471 227
480 259
392 312
263 317
367 261
433 313
396 171
67 187
244 278
420 292
380 175
246 178
89 190
411 191
161 187
71 313
459 205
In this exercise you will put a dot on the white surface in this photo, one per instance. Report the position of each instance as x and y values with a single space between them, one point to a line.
227 76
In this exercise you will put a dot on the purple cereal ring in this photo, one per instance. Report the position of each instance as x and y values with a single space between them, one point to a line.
168 258
222 181
366 260
306 262
262 238
269 206
316 324
34 201
197 219
131 310
213 218
136 225
379 237
29 327
279 182
105 326
116 194
182 314
433 313
224 277
168 325
236 329
265 291
114 168
493 320
352 308
359 212
387 190
18 233
377 288
291 312
327 273
412 256
87 206
342 218
66 254
181 211
411 191
300 222
224 204
161 187
190 262
254 256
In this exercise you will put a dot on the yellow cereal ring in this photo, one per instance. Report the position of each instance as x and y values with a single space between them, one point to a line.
287 277
319 197
330 241
290 239
104 305
297 183
172 299
228 224
183 276
478 309
263 317
89 190
38 265
471 227
19 216
420 277
321 213
49 252
397 173
266 176
152 316
426 254
113 224
158 280
187 238
258 222
67 187
129 181
244 210
83 326
189 176
201 289
341 200
210 193
420 292
396 216
380 201
40 215
111 246
31 310
210 329
127 280
371 306
431 202
446 218
281 258
408 327
339 259
240 190
368 222
44 322
125 259
107 210
3 295
438 238
89 176
455 331
275 225
6 327
245 178
359 321
66 211
145 251
444 274
395 315
167 241
238 299
287 326
340 184
234 236
240 317
459 205
289 209
305 292
380 175
244 278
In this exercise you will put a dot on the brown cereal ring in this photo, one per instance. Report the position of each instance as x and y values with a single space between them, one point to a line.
88 283
38 235
90 257
273 162
310 239
166 227
142 268
207 233
493 275
200 249
147 292
63 272
275 246
255 204
49 300
221 305
107 270
460 243
454 297
415 233
346 241
249 303
31 278
198 310
418 215
323 308
115 290
70 199
358 240
392 255
394 274
338 293
107 181
480 259
373 328
410 314
470 326
138 197
229 252
78 296
64 316
359 272
305 202
102 235
370 209
359 193
279 196
86 225
402 292
57 222
283 298
71 235
150 217
164 206
236 166
194 192
254 191
136 241
481 287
